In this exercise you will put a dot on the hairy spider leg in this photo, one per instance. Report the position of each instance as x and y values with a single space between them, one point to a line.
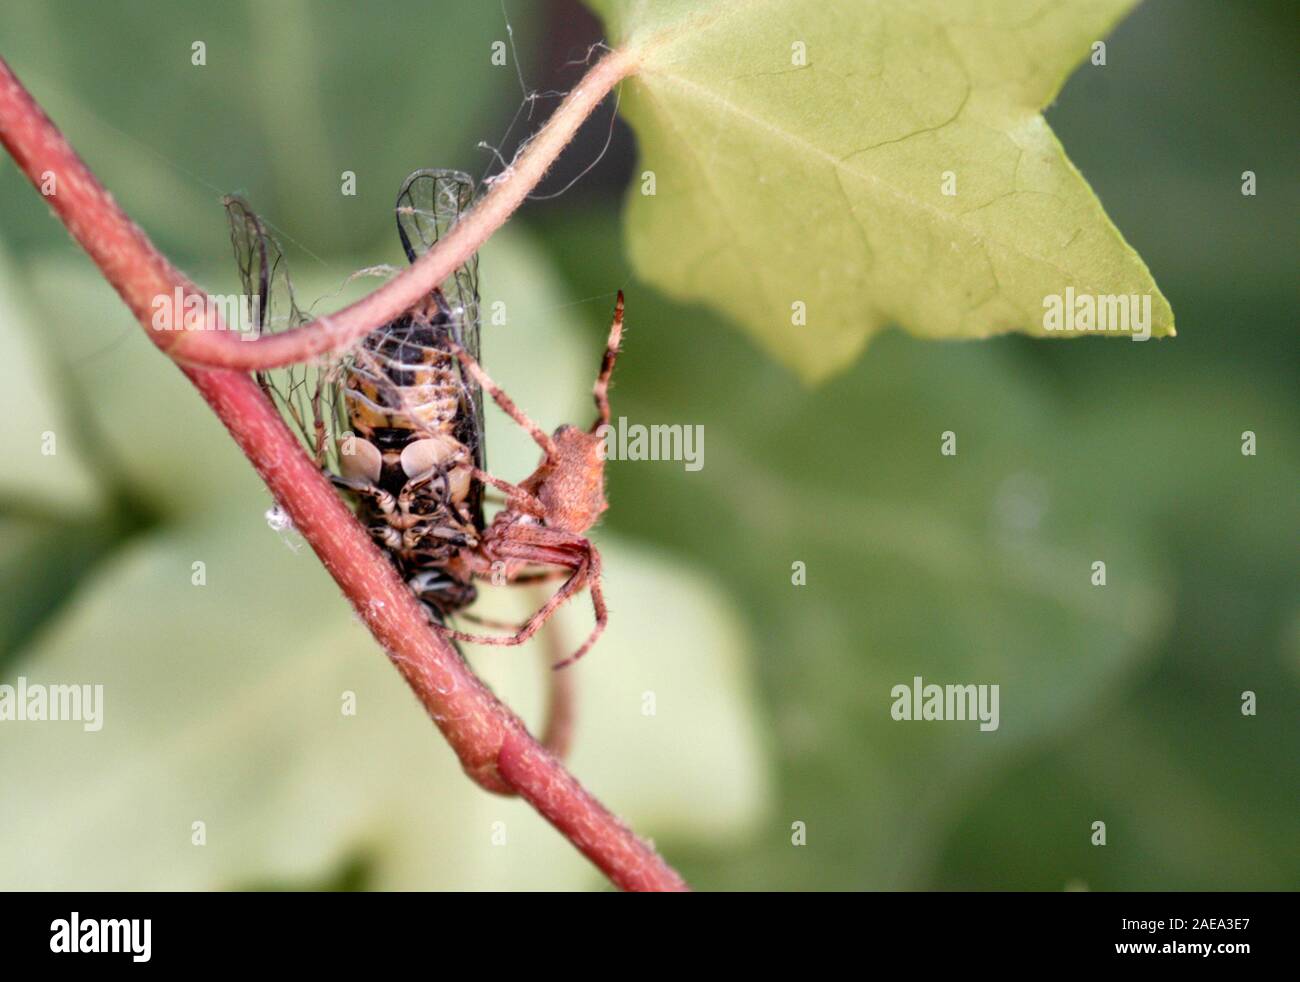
550 547
601 389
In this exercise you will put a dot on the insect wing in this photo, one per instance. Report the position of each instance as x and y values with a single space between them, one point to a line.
429 204
262 270
303 393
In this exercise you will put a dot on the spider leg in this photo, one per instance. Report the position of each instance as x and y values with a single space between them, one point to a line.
527 579
504 401
537 540
490 622
555 547
540 616
597 605
513 492
601 389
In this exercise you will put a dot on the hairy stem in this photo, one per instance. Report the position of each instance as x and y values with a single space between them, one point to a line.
493 745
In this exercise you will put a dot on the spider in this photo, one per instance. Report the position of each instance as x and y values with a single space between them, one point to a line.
546 515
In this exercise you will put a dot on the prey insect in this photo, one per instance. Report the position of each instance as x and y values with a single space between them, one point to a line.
393 422
417 419
397 423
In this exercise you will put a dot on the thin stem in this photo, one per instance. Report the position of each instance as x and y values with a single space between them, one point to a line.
493 745
141 274
543 783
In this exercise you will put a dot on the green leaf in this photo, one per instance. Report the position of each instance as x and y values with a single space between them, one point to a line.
222 704
45 462
799 153
293 96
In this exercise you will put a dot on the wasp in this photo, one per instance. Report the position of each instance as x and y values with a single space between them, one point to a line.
407 405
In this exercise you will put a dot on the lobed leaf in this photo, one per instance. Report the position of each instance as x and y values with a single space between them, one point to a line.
800 153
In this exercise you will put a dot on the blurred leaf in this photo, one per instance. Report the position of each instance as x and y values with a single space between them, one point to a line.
1161 137
169 446
44 461
222 704
291 95
799 150
61 509
1120 704
1195 795
43 557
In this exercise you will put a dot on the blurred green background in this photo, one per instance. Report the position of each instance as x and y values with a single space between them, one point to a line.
1119 704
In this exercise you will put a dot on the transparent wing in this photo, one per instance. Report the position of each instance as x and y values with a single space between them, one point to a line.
429 203
305 394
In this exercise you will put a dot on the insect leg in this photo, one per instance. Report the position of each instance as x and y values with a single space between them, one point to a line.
417 535
387 536
438 589
383 500
319 430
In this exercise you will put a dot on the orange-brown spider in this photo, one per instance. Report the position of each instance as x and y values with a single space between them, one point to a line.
545 516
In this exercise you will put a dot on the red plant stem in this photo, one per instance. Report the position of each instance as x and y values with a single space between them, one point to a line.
492 743
557 795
